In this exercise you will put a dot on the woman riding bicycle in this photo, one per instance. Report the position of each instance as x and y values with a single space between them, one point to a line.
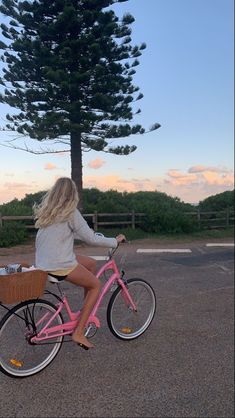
60 222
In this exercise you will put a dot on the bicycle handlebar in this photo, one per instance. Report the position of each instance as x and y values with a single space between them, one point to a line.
112 250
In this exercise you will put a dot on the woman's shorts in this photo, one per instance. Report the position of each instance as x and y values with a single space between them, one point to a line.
64 273
59 278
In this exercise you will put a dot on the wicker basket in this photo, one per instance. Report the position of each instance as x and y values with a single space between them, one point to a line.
18 287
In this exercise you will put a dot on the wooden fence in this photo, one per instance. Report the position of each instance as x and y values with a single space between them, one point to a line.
213 219
205 220
95 220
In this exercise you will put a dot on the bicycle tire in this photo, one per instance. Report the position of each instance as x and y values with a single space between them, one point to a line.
123 321
18 357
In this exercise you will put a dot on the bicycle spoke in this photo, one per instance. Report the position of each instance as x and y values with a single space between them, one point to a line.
123 320
18 356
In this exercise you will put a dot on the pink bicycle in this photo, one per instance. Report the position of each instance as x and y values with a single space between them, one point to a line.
32 332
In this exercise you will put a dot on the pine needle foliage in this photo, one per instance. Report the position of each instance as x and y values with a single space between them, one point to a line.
68 69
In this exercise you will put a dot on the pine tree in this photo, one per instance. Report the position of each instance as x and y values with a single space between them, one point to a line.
69 67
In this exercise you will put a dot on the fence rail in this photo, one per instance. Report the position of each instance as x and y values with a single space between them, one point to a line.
205 219
94 219
213 219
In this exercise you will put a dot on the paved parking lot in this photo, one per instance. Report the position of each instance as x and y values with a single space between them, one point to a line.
181 367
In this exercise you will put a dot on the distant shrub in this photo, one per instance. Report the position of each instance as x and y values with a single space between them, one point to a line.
220 201
12 234
21 207
168 220
163 213
14 208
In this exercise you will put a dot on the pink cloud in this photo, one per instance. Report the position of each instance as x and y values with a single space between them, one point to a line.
9 174
16 186
218 179
174 173
96 164
203 168
188 186
198 183
50 166
177 178
12 190
201 175
118 183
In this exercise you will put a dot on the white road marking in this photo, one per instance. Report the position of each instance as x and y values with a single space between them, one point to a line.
219 244
163 250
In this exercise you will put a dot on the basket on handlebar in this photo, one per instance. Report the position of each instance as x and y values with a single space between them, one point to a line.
18 287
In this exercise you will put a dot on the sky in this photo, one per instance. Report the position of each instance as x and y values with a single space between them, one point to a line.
186 76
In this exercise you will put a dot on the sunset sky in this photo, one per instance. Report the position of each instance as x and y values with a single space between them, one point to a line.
186 76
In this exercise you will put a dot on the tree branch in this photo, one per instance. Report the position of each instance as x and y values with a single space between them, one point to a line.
37 152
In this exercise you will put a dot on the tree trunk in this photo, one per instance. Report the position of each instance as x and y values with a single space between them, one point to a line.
76 164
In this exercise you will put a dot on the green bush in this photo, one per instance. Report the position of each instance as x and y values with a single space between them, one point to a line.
168 220
12 234
164 214
21 207
220 201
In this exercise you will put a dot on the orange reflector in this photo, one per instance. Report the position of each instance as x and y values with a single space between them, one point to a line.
126 330
16 362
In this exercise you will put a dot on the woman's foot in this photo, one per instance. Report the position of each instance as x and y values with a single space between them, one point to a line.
82 341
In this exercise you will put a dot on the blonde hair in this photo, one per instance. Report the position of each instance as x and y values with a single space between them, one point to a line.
58 204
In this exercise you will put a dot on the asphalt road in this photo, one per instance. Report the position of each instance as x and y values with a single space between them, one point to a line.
181 367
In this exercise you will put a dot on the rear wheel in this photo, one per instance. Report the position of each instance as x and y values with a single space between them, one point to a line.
19 357
125 322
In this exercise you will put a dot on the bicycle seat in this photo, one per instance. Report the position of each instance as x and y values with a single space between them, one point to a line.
52 279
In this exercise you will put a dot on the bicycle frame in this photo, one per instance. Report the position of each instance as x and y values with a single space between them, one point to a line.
67 328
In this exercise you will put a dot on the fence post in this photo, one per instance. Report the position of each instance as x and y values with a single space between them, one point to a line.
227 217
133 219
95 220
199 217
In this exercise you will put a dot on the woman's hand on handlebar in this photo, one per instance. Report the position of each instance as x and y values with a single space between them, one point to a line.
120 238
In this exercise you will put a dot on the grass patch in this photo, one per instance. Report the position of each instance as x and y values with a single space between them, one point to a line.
136 234
139 234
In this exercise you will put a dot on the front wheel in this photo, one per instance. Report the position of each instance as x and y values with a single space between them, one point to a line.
125 322
19 357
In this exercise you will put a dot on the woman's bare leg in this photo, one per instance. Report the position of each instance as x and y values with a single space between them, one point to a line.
89 263
80 276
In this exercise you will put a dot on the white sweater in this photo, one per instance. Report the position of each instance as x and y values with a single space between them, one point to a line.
55 243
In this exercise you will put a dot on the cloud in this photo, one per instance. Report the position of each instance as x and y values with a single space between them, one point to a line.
188 186
16 186
177 178
203 168
118 183
201 175
50 166
12 190
9 174
96 164
174 172
198 182
218 179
